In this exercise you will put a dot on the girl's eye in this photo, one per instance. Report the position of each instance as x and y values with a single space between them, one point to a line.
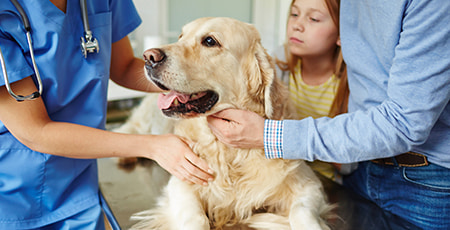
314 19
209 42
294 15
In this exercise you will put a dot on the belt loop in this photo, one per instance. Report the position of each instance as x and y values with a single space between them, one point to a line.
394 161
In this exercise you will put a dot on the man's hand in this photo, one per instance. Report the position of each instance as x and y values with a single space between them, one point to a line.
238 128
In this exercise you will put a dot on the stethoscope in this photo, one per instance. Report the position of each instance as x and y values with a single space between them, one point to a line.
88 44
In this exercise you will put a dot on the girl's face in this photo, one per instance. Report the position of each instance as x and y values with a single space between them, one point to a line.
310 29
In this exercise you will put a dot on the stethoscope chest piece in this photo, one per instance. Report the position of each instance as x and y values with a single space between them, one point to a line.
89 44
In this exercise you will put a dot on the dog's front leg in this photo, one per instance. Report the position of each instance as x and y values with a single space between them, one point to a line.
187 211
308 209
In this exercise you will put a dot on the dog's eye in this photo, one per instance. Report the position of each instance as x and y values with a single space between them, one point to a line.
209 42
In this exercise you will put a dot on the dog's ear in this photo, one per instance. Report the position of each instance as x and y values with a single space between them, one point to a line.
269 89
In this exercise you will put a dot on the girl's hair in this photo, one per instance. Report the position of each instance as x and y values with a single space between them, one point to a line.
340 101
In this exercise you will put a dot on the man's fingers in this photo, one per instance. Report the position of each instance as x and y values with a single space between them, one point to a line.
226 114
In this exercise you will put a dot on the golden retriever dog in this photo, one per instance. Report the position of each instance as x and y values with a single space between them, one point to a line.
219 63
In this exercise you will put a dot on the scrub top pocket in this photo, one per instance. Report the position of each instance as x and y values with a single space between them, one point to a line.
20 185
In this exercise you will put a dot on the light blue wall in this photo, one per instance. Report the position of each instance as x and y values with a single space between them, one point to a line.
181 12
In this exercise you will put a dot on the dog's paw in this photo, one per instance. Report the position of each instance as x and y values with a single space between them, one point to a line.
199 222
307 219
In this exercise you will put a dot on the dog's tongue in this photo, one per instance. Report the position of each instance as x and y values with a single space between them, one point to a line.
164 101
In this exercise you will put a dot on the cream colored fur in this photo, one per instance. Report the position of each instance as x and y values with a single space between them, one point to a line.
248 188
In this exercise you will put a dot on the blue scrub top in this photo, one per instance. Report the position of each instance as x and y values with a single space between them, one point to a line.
37 189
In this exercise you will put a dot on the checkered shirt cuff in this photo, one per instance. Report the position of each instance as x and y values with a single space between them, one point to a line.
273 139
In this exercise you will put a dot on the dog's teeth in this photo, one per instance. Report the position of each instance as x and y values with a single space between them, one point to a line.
175 102
193 96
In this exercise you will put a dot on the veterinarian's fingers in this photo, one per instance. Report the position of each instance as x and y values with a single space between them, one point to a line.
198 169
187 141
189 177
195 160
183 176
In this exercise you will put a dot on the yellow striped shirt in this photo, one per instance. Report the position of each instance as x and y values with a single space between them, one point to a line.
312 100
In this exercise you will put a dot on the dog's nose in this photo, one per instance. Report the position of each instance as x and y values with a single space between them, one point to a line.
153 57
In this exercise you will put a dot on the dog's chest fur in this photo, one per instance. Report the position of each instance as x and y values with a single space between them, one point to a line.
244 183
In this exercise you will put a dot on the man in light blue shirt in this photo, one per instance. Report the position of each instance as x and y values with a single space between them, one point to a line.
398 125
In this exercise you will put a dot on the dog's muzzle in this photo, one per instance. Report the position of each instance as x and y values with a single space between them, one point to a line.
154 58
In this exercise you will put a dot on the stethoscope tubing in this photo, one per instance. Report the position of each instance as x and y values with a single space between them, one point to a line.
88 45
23 15
26 23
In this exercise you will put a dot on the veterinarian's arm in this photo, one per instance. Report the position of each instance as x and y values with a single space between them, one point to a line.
29 122
127 70
238 128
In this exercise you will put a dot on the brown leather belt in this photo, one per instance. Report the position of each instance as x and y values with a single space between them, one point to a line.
409 159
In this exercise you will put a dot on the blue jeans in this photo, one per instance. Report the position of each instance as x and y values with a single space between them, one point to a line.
420 195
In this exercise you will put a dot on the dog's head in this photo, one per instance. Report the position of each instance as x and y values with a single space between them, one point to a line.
217 63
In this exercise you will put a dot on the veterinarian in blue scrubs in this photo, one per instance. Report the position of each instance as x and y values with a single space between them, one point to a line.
48 174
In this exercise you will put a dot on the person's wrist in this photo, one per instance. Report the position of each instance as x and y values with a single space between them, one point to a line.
273 141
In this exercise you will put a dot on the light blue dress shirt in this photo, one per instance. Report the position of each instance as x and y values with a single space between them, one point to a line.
398 59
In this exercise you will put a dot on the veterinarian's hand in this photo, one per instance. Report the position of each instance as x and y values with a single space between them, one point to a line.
238 128
177 158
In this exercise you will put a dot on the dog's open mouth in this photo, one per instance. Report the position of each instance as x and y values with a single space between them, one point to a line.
176 103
